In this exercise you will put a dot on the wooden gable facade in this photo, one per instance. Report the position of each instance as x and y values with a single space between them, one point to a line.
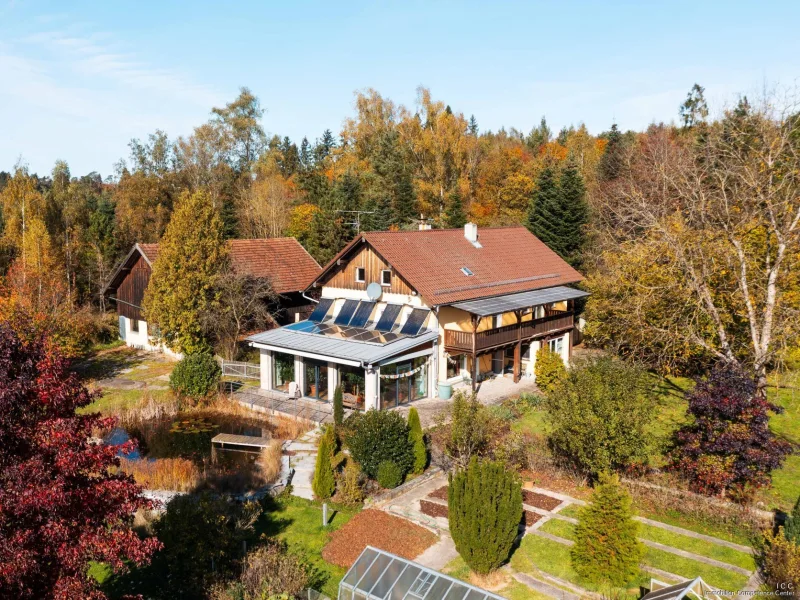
130 293
343 273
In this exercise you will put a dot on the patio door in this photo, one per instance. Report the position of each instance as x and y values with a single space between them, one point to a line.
316 379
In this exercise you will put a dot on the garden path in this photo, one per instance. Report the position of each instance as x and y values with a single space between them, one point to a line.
303 459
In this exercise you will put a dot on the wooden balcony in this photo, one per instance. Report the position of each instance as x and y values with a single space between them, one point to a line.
461 341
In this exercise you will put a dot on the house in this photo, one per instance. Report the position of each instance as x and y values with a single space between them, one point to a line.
401 311
283 260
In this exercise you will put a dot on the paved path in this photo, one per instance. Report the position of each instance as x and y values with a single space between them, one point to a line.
438 555
303 462
547 589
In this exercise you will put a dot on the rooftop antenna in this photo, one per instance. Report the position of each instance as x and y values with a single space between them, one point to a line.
357 218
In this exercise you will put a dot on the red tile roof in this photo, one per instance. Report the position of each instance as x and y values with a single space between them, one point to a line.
284 260
510 260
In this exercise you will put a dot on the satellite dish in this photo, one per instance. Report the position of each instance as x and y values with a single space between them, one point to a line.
374 291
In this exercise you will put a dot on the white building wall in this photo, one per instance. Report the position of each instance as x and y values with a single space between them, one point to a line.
266 369
141 339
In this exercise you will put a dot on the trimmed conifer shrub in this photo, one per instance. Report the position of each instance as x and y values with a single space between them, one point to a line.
390 475
549 369
485 508
195 375
378 435
791 529
324 482
417 440
338 406
606 548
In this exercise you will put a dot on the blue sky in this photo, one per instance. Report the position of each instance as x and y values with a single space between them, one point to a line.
79 79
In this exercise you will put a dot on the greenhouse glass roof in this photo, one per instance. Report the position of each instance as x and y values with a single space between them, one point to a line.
379 575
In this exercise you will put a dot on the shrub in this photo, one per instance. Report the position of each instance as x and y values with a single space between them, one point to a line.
469 433
791 528
338 406
375 436
324 482
270 572
390 475
778 560
598 415
177 474
728 444
549 369
485 508
417 440
197 531
196 376
349 487
606 549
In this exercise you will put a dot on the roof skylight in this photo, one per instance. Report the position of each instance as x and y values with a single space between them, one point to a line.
466 271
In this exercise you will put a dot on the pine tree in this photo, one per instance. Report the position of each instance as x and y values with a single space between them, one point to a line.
606 547
574 216
305 154
543 210
610 164
694 110
338 406
454 216
324 482
417 439
191 256
472 128
485 509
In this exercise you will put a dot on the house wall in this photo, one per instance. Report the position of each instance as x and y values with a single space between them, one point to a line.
344 276
141 339
130 292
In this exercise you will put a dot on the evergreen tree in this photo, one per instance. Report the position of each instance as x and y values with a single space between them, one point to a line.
694 110
305 154
539 136
472 128
338 406
417 440
485 509
454 216
606 547
324 482
574 215
191 256
611 162
791 529
543 210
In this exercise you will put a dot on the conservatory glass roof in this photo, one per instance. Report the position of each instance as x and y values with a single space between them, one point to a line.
380 575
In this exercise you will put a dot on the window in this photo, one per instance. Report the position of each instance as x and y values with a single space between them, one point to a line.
556 345
466 271
282 371
361 274
455 364
386 277
135 325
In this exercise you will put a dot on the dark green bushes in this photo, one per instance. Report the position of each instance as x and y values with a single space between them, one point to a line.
417 440
376 436
196 375
390 475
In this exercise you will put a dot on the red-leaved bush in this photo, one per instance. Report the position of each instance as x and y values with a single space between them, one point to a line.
59 506
728 446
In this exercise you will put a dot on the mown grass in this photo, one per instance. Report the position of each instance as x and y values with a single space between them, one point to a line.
298 522
678 565
513 590
114 401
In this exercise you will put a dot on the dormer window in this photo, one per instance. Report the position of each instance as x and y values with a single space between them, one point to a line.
386 277
466 271
361 275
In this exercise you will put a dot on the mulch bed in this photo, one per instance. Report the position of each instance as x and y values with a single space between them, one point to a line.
380 530
433 509
530 517
539 500
441 493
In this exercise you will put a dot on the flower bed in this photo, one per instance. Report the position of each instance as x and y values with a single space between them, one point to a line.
539 500
530 517
433 509
380 530
440 493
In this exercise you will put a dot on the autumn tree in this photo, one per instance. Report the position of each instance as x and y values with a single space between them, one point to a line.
63 503
677 212
184 283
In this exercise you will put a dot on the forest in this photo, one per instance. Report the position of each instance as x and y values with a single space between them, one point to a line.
687 232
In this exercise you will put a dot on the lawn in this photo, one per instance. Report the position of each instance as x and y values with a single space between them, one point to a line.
298 522
513 590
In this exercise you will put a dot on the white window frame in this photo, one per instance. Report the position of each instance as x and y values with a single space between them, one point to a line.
383 273
134 325
556 345
363 272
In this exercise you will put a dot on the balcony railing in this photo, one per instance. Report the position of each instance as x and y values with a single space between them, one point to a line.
501 336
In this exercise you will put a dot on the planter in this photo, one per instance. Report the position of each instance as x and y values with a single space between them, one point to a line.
445 390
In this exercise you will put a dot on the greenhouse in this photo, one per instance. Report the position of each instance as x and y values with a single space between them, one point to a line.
380 575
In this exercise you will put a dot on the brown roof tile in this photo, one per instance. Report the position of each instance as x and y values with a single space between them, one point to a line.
510 260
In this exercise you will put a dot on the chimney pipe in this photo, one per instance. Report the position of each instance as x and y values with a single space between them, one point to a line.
471 232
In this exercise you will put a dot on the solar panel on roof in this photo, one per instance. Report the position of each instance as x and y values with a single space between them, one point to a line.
362 314
414 321
318 315
346 312
304 326
389 316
